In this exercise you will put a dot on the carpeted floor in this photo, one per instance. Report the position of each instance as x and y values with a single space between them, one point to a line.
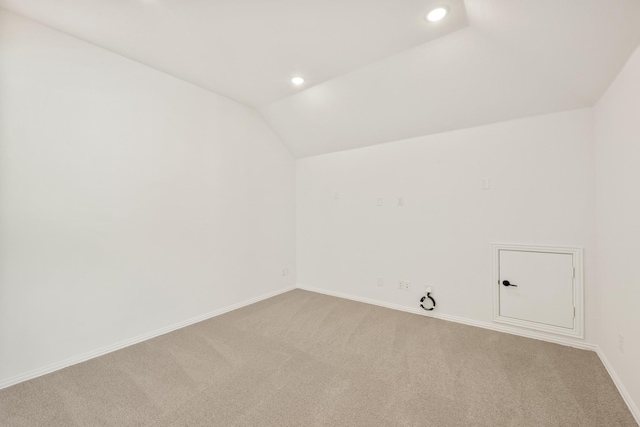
305 359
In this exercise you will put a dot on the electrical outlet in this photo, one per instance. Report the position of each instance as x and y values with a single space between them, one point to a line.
380 281
407 286
380 201
621 343
285 272
400 284
400 201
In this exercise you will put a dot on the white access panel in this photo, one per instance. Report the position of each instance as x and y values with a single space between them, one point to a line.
539 288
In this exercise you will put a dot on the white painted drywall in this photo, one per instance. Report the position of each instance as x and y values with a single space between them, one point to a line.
129 200
617 141
541 171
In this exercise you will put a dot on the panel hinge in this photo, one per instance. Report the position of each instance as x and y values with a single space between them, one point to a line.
574 312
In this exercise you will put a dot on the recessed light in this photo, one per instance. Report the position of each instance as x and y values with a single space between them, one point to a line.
437 14
297 80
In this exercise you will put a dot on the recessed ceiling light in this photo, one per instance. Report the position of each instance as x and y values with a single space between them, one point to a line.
437 14
297 80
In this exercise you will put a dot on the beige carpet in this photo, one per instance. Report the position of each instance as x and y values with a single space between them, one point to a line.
304 359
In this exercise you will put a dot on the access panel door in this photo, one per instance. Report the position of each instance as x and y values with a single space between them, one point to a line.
537 288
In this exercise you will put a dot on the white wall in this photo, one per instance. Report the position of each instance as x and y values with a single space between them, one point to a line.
129 200
617 140
542 178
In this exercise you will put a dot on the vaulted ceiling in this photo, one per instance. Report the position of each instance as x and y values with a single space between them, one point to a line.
375 70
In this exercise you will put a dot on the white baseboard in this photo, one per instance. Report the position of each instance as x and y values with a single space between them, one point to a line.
621 388
480 324
126 343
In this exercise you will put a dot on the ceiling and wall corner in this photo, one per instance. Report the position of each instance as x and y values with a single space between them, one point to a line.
515 60
374 71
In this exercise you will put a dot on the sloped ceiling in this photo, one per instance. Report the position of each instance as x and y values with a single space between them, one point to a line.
517 58
247 50
375 70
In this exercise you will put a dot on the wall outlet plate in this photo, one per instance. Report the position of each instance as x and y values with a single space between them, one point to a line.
486 183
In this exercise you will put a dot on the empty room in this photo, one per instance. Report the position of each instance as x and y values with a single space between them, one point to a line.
319 213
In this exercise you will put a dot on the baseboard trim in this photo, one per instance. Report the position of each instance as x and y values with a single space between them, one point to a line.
456 319
126 343
621 388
